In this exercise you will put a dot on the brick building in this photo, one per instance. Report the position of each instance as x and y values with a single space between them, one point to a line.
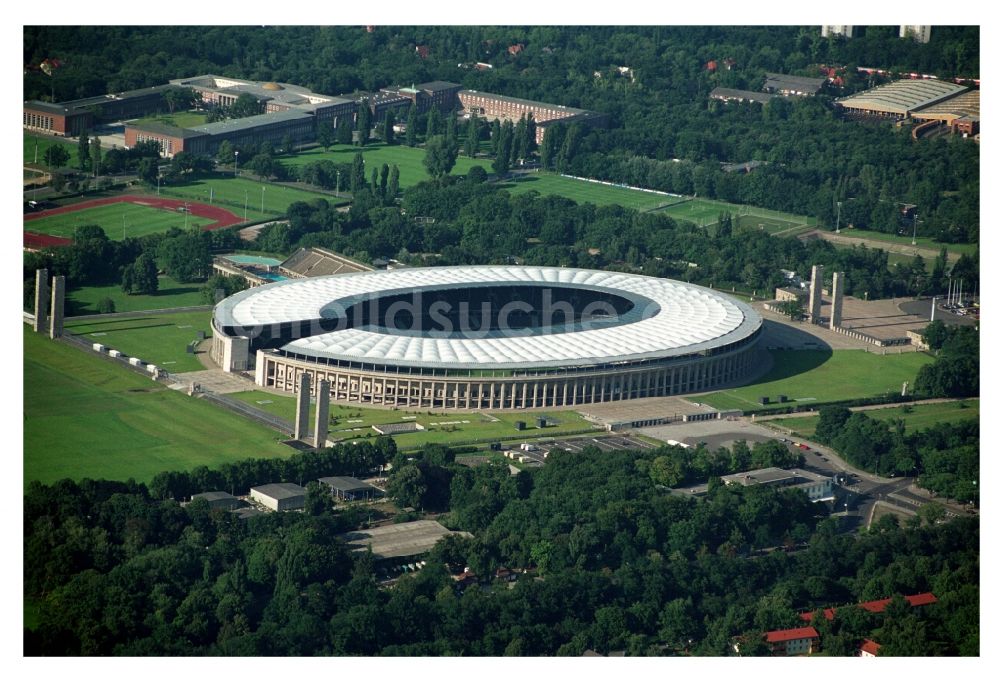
498 107
69 118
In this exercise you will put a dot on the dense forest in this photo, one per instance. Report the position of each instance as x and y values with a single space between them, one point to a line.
659 107
613 563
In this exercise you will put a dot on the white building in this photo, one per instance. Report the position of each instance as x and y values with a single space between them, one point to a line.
919 33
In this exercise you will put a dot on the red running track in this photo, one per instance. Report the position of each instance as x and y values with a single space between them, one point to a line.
221 218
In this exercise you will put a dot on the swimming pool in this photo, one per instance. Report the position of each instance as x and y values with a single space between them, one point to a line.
264 261
271 276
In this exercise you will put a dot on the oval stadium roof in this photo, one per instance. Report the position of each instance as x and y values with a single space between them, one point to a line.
670 318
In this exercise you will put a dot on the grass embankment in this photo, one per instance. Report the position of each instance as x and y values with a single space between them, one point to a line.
87 417
809 377
158 339
465 427
916 416
118 221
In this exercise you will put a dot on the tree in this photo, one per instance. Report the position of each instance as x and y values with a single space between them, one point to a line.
519 144
433 123
387 133
472 136
83 151
56 156
186 257
357 173
411 126
148 170
179 98
392 189
407 486
831 422
141 277
319 499
501 163
95 154
440 156
226 153
245 105
325 135
364 124
105 306
345 131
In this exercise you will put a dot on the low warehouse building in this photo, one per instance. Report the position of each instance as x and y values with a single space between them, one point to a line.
348 488
279 497
218 499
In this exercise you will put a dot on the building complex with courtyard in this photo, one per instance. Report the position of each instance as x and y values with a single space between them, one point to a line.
487 337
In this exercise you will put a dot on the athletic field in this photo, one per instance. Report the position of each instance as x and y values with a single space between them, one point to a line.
409 160
86 417
160 339
466 427
242 196
706 212
916 416
584 191
809 377
118 220
906 240
83 301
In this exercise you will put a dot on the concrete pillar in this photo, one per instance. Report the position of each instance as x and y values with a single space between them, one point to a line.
816 295
302 408
58 300
322 414
837 292
41 300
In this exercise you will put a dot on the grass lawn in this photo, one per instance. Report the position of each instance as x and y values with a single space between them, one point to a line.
158 339
809 377
185 119
86 417
43 143
916 416
235 193
409 160
133 220
705 212
583 191
352 422
922 242
83 301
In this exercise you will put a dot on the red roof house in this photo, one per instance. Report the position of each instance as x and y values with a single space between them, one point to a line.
869 648
792 641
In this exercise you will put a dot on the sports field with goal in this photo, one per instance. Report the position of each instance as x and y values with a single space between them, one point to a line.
242 196
706 212
86 417
118 221
599 194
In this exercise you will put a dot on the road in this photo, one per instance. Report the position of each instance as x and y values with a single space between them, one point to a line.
891 247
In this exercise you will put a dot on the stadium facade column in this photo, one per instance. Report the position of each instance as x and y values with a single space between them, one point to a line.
58 301
41 300
322 414
837 292
816 295
302 408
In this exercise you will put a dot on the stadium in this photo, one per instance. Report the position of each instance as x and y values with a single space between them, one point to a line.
487 337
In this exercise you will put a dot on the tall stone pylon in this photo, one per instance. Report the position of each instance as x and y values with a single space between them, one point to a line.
816 295
322 414
837 291
58 300
302 408
41 300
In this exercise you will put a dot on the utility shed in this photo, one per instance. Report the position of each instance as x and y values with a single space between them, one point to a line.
218 499
279 497
348 488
